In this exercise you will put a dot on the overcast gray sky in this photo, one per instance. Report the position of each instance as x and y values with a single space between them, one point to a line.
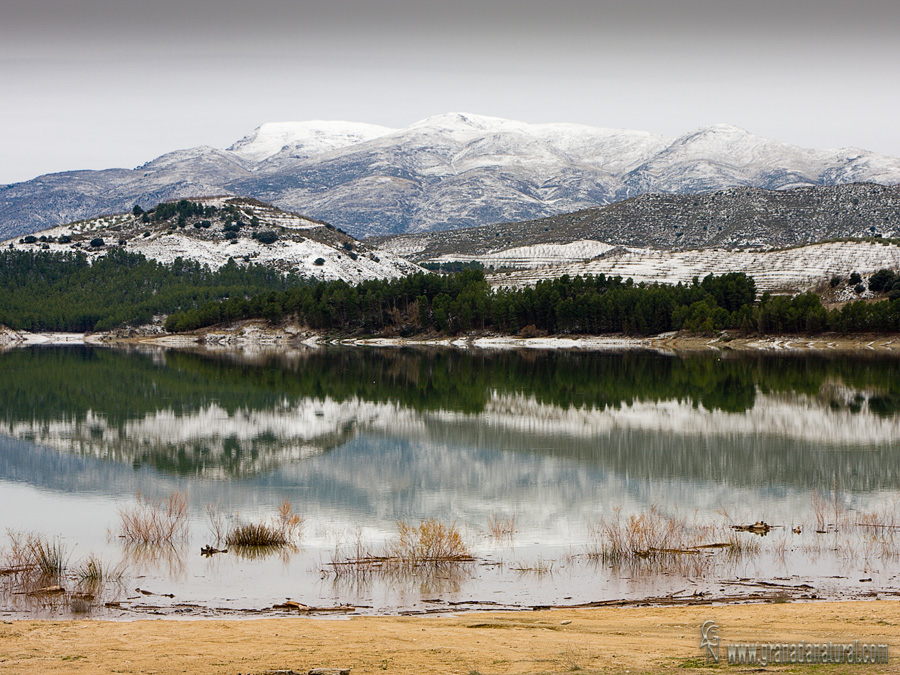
104 83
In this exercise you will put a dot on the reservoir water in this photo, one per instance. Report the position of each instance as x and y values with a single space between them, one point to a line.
538 459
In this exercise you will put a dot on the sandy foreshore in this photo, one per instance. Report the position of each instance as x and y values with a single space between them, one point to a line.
603 640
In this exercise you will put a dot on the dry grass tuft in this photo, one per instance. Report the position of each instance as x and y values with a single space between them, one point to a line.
257 535
501 528
163 521
285 531
91 571
638 536
49 558
653 541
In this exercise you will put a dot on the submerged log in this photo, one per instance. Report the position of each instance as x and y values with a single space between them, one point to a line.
48 590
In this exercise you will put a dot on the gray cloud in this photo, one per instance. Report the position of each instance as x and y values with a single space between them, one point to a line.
95 83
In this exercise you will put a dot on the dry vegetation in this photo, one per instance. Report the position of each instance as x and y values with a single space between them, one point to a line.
35 572
284 531
648 536
501 528
424 550
162 521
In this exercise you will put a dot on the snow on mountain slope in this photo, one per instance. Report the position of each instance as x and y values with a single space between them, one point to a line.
299 140
445 172
459 170
535 255
454 170
802 268
304 247
725 155
213 165
731 218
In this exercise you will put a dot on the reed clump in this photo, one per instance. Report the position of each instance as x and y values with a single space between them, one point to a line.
256 534
92 571
154 522
639 536
49 558
36 571
33 561
283 531
539 567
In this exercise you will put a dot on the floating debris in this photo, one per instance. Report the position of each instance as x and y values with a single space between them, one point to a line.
760 527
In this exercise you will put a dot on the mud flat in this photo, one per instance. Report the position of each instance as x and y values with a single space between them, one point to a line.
602 640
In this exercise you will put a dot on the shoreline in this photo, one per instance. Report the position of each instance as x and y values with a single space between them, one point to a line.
650 640
258 334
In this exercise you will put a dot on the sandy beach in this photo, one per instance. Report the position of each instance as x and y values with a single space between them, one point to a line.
602 640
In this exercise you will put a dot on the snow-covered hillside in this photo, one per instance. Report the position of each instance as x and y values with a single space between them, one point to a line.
308 248
795 269
535 255
449 171
319 251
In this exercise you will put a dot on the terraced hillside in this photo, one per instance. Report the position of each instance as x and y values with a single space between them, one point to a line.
785 270
738 217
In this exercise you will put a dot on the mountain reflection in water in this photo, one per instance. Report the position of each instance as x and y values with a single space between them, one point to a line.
358 439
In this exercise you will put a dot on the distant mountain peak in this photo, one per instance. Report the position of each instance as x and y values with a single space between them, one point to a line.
462 121
322 135
722 128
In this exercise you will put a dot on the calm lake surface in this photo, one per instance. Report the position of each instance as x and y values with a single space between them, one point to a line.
359 439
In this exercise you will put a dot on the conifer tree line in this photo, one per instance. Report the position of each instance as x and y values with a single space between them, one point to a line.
43 290
464 302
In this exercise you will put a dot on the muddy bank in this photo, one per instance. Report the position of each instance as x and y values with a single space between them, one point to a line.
604 640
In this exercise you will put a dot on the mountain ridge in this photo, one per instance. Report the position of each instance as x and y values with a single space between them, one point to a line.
444 172
737 217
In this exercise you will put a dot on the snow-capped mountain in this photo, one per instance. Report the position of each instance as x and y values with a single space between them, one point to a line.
281 142
444 172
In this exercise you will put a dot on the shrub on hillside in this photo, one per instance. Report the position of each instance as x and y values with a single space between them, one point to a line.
265 237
